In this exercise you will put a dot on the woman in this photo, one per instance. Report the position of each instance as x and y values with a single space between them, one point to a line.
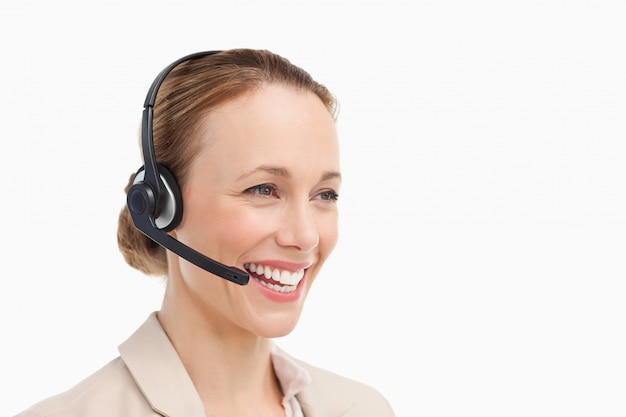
248 142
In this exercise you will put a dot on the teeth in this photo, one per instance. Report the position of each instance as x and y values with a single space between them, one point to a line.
285 280
279 288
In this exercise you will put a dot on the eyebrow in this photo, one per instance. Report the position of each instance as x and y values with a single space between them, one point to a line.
284 173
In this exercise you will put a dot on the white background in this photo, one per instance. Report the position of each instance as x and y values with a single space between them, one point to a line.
481 267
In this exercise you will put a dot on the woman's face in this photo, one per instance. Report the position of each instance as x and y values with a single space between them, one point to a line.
261 196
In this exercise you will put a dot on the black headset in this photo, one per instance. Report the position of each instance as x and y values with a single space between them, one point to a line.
154 200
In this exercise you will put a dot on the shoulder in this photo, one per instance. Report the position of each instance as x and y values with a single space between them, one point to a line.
109 391
348 396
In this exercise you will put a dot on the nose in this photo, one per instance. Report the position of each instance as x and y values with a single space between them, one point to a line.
298 227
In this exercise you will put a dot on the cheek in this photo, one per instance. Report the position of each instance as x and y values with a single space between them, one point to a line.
333 234
238 229
221 230
329 234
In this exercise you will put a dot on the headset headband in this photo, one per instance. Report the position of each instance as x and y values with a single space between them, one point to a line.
147 141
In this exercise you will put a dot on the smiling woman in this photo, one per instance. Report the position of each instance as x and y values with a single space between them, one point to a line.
246 143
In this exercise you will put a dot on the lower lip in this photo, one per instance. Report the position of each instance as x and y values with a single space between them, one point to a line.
280 297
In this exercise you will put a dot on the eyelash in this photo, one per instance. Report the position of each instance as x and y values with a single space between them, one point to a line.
272 191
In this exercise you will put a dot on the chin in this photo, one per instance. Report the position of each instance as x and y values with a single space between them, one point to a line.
277 326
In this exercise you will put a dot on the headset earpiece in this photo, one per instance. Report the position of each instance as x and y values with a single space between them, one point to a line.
166 209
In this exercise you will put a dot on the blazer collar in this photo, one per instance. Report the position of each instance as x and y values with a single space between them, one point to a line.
314 405
324 396
159 372
311 405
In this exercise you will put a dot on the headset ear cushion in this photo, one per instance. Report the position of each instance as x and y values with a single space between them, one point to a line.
140 199
171 202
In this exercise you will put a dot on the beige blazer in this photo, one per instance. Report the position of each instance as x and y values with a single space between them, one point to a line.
149 379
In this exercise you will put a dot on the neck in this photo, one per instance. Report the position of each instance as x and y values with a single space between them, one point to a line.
231 368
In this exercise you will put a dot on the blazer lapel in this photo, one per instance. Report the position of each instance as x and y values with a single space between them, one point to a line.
311 407
159 372
314 405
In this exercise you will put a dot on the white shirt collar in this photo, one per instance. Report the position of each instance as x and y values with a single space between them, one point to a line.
292 377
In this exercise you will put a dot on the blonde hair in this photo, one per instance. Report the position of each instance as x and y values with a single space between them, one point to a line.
188 93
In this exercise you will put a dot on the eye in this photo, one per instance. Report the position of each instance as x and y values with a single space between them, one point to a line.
329 195
263 190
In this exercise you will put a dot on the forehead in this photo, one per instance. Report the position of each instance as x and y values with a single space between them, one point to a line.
274 125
